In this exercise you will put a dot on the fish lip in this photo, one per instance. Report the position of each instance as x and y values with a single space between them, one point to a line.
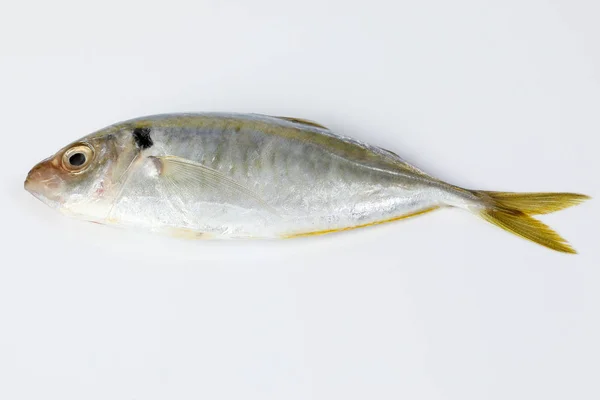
29 181
35 194
30 187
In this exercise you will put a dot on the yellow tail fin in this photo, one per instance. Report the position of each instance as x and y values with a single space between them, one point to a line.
512 212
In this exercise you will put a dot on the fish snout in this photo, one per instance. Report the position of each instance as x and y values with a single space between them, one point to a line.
44 180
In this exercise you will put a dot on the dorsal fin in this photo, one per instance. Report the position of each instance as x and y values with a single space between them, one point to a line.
303 121
405 165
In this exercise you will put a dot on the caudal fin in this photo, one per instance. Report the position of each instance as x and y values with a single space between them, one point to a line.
513 211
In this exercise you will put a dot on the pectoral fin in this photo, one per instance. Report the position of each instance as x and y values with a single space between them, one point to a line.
185 177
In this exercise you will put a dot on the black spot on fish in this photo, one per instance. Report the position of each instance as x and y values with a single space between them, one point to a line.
142 138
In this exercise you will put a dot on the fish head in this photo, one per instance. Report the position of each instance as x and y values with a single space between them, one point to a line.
79 179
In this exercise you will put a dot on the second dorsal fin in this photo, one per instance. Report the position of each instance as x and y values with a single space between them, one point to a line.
303 121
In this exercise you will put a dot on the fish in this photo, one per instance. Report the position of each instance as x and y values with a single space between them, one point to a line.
228 175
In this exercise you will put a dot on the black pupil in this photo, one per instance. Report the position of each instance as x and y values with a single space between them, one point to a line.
77 159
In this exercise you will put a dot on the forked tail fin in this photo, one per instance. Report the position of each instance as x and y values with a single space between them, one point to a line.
513 211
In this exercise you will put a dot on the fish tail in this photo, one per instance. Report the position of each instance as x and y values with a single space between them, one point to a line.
513 212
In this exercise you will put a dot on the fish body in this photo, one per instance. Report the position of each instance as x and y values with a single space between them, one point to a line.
223 175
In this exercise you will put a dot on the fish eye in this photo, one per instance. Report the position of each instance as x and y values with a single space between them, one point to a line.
77 158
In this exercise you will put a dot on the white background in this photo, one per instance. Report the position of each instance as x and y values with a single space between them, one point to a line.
497 95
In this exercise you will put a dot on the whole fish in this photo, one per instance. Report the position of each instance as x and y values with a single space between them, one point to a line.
222 175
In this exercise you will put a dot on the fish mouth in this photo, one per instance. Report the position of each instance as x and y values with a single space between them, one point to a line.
31 181
43 183
33 186
36 194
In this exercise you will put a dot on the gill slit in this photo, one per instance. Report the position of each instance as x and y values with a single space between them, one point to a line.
121 183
